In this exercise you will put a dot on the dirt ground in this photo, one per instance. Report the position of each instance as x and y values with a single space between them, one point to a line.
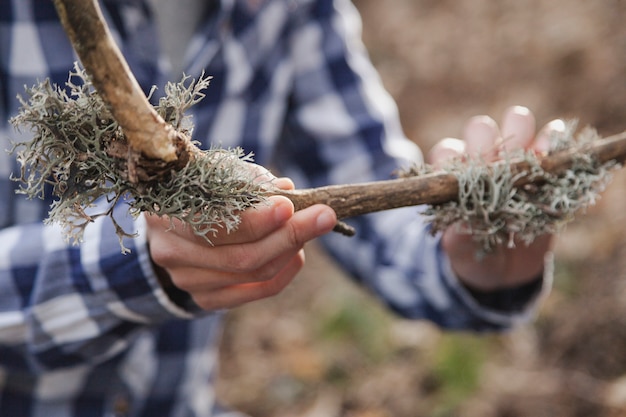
324 348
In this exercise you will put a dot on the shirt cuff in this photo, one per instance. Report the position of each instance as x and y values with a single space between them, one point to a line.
506 307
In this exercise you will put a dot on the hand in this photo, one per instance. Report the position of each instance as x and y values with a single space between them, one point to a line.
504 267
256 261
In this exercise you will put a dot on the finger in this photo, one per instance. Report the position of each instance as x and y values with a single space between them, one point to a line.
255 223
445 150
236 295
518 128
542 143
194 280
264 177
305 225
244 257
481 134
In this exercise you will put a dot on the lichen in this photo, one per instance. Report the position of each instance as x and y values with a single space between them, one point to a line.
80 152
495 209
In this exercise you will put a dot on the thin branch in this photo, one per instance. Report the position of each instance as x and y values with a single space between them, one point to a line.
440 187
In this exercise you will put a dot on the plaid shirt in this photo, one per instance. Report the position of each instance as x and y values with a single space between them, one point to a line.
87 331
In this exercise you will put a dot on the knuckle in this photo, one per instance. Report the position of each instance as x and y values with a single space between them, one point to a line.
294 240
247 227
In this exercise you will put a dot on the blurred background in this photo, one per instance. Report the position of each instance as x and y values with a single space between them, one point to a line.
324 348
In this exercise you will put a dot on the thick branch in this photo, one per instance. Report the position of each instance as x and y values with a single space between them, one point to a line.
145 130
355 199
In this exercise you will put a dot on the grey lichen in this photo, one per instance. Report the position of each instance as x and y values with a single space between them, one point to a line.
79 151
495 209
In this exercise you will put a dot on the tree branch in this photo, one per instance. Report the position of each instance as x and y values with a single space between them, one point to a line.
440 187
145 130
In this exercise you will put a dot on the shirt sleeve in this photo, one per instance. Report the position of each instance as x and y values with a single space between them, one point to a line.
343 127
63 305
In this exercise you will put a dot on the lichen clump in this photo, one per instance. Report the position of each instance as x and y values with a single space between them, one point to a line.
79 151
495 209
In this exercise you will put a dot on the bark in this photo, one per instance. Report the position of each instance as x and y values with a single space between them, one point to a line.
145 130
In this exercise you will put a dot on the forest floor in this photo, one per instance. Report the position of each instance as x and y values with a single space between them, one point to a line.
325 348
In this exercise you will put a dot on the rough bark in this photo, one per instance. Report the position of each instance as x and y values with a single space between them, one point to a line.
145 130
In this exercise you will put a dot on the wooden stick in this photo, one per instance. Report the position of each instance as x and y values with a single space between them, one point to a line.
145 130
356 199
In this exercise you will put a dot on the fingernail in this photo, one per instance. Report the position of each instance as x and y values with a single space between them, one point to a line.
518 111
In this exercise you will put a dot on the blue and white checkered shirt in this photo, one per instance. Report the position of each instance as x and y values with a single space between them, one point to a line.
87 331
